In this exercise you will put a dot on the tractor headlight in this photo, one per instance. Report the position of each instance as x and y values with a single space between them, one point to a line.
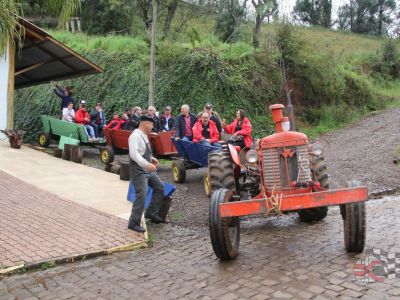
316 149
251 156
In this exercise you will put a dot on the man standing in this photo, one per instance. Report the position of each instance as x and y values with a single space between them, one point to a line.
184 124
151 112
65 94
167 120
205 132
142 170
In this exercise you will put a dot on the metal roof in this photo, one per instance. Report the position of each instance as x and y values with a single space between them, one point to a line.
43 59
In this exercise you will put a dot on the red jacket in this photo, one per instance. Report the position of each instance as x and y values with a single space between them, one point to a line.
198 130
80 117
115 124
245 132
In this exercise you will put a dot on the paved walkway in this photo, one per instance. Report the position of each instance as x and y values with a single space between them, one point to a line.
81 184
280 258
38 226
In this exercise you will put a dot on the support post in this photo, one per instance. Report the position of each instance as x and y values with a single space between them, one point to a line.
153 54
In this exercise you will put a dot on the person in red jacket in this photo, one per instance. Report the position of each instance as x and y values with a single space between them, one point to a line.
240 129
206 132
115 123
82 117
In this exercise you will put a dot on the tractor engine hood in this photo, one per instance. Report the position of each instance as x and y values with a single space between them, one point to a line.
281 139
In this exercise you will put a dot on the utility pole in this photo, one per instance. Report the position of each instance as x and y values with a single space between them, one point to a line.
153 54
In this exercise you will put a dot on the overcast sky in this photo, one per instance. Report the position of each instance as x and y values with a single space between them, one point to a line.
286 6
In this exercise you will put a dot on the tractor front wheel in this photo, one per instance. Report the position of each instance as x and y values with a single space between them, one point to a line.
107 155
178 171
354 223
224 232
44 139
319 170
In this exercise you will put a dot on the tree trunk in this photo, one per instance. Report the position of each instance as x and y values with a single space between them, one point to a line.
153 54
170 15
380 17
257 32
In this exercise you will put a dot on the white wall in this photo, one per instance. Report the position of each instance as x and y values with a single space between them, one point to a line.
4 62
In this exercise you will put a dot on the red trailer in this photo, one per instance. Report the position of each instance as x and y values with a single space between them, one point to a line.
117 143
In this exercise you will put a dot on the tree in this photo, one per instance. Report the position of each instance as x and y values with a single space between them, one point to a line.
263 9
171 5
11 11
314 12
367 16
230 16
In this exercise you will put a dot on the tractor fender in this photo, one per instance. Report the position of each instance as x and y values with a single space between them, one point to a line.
234 154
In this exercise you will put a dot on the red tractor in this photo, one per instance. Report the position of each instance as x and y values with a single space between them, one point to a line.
281 173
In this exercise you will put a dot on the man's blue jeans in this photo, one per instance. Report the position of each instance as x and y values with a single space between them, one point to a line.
187 138
205 143
89 131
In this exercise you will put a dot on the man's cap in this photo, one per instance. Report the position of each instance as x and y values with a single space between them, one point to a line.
146 118
167 108
83 101
208 106
70 102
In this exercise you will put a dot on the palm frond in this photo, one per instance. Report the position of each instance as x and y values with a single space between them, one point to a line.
10 11
63 9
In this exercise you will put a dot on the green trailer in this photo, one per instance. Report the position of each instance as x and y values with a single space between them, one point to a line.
54 129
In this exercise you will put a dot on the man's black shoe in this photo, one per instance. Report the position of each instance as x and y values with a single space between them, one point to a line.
156 219
137 228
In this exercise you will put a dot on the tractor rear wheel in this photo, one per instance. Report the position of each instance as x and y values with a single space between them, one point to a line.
354 223
107 155
224 232
320 174
220 171
44 139
178 171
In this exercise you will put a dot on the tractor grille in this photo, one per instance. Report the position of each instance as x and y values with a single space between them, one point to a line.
279 171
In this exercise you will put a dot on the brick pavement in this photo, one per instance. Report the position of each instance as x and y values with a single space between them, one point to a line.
36 225
279 258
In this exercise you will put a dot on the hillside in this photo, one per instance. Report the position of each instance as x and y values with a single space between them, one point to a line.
333 75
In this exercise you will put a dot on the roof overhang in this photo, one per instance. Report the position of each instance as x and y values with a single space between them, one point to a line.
43 58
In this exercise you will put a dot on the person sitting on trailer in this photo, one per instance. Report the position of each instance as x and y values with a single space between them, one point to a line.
184 124
97 120
151 112
82 117
125 125
214 116
134 118
69 113
65 94
205 132
240 129
114 122
167 120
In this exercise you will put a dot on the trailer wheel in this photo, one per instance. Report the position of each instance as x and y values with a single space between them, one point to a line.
354 223
220 171
207 185
44 139
107 155
224 232
318 168
178 171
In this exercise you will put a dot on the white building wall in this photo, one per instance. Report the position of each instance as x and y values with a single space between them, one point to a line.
4 66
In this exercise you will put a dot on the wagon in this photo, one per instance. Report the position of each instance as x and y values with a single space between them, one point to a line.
54 128
191 156
117 143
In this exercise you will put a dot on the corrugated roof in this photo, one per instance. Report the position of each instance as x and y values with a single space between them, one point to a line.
43 59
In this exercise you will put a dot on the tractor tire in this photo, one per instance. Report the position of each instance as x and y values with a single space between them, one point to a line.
224 232
207 185
107 155
44 139
178 171
318 168
220 171
354 223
